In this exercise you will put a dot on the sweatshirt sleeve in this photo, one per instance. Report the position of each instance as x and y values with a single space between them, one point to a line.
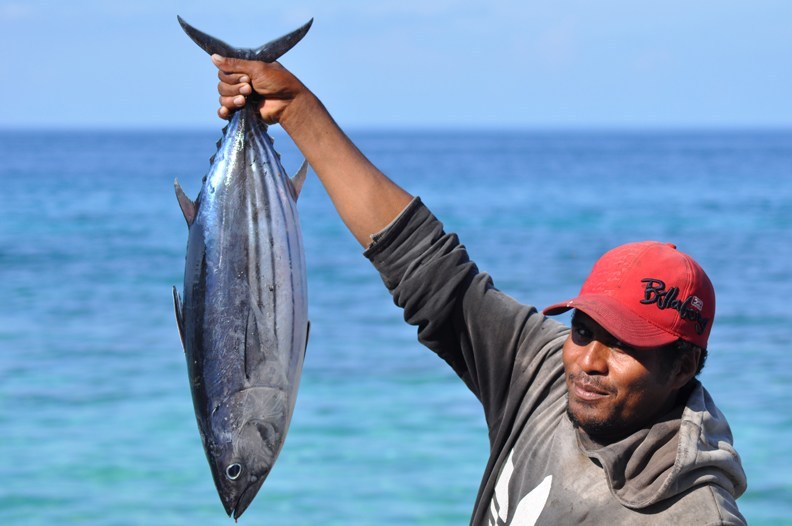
487 337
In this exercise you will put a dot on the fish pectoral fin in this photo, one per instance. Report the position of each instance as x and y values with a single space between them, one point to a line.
298 179
178 308
307 334
187 205
253 348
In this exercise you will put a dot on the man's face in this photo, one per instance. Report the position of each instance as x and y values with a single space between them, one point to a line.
614 390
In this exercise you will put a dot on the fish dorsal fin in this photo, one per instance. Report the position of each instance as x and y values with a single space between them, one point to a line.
269 52
177 307
298 179
218 144
187 205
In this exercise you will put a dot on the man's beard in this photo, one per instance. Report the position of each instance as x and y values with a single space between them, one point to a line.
600 430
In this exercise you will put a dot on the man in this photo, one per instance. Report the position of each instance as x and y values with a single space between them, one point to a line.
605 423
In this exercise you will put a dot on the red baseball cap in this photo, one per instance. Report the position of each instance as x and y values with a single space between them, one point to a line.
647 294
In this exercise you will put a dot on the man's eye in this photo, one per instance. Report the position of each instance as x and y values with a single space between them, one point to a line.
581 334
623 347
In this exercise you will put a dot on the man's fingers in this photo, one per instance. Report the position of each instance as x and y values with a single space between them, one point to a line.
230 90
232 102
233 78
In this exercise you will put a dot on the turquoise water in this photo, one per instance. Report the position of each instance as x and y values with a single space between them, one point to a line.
95 413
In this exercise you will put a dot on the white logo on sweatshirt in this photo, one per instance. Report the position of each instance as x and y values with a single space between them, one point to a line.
528 509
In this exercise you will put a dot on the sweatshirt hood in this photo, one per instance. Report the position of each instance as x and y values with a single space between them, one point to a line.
688 447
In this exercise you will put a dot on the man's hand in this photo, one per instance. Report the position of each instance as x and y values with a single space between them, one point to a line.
274 84
365 198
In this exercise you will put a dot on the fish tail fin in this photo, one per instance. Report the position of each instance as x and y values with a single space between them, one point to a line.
298 179
269 52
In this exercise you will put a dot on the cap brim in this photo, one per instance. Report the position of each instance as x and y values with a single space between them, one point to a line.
622 323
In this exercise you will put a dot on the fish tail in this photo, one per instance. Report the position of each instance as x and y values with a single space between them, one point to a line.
269 52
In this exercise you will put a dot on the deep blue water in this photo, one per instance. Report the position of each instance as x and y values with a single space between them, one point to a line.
96 421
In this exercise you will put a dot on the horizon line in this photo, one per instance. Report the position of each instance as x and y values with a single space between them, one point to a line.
439 128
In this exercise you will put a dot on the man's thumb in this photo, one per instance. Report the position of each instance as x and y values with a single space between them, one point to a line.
226 64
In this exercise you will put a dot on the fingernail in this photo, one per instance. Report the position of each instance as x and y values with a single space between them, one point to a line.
245 89
244 79
217 58
239 100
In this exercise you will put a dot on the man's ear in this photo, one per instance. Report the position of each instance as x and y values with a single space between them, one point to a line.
686 368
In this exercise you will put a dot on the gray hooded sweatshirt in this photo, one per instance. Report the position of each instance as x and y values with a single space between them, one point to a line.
541 470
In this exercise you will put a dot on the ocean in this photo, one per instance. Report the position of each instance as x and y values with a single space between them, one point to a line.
96 420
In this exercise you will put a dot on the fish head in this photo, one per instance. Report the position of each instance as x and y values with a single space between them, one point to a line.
249 430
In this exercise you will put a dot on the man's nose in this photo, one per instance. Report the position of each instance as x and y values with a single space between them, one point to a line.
593 358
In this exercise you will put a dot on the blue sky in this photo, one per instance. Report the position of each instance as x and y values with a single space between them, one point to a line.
410 63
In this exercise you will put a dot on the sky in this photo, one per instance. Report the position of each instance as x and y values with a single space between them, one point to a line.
516 64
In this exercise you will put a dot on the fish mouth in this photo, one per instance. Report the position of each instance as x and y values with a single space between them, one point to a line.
245 499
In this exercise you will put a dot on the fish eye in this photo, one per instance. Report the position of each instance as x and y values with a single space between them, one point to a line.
233 471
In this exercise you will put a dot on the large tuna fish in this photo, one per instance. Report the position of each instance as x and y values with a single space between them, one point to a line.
243 321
